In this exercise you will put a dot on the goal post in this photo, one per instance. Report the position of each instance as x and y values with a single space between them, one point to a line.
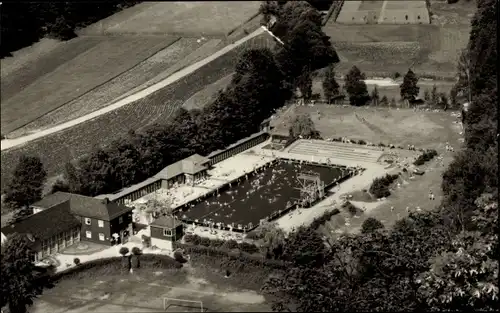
176 302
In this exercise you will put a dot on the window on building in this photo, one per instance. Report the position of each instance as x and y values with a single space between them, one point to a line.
418 17
88 221
100 223
101 236
167 232
120 220
406 17
88 234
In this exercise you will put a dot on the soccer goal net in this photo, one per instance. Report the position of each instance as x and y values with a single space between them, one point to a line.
176 305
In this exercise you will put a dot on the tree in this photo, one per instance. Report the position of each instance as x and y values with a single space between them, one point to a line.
19 285
356 87
427 95
384 100
443 100
273 239
375 96
304 247
409 89
453 98
434 95
303 127
370 225
27 182
330 85
304 83
59 185
268 9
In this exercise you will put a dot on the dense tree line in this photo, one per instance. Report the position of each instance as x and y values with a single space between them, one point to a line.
24 23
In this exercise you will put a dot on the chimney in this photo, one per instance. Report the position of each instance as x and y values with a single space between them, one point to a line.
105 200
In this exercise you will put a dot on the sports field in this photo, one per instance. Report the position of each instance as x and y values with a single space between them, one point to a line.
97 291
261 195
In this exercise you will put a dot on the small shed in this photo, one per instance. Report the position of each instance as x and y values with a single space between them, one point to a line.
164 231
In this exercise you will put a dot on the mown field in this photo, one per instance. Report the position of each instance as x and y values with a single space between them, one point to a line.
187 19
49 87
57 149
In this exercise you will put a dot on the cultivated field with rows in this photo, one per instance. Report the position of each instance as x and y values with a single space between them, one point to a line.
96 64
57 149
182 52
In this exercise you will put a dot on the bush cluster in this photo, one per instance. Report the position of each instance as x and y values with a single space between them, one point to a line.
317 222
196 240
380 186
425 157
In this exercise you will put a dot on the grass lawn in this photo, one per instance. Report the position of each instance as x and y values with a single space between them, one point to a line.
96 65
399 127
214 18
144 291
72 143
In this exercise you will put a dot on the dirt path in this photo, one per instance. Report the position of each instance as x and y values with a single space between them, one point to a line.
9 143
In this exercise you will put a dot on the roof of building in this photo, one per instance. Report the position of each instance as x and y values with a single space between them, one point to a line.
85 206
46 223
237 143
191 165
166 222
125 191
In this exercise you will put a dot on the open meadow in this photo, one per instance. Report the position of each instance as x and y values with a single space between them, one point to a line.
187 19
99 290
72 143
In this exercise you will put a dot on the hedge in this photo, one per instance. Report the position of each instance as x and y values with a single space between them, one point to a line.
218 243
317 222
115 265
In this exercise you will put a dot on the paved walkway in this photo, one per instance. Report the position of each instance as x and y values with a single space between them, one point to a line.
9 143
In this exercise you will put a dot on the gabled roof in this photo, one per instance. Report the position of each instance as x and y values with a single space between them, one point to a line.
45 224
191 165
85 206
166 222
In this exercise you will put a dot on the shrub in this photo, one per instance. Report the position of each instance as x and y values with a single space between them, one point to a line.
425 157
76 261
123 251
230 244
361 142
188 238
136 251
248 247
380 186
370 225
216 243
196 240
125 263
179 257
204 241
134 261
317 222
351 208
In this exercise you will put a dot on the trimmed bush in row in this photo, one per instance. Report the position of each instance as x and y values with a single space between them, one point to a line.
380 186
218 243
425 157
381 144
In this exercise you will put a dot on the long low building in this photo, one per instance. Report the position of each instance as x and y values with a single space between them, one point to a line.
187 171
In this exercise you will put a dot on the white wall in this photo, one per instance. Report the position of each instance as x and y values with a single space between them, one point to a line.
162 244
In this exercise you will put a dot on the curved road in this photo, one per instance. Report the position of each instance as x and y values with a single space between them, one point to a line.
10 143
